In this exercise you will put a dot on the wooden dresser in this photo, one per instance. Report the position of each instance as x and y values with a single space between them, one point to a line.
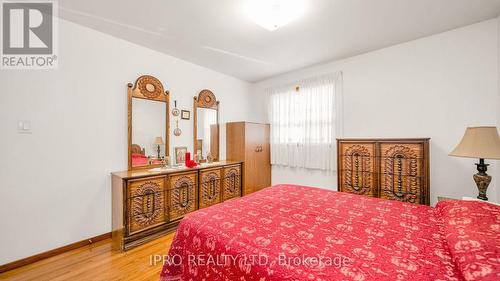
147 204
394 169
249 142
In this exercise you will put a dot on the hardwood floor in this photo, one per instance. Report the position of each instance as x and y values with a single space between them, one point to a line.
97 262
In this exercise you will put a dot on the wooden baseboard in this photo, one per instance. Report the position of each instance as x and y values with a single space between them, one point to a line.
54 252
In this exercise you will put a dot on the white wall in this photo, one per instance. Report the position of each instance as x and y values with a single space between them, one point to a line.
431 87
55 182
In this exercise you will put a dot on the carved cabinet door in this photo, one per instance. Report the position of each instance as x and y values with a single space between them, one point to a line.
210 187
231 182
182 194
145 203
357 168
402 172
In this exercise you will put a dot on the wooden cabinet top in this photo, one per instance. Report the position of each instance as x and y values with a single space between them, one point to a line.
384 139
147 172
248 122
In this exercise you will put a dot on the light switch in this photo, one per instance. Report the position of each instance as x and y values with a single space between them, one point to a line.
24 127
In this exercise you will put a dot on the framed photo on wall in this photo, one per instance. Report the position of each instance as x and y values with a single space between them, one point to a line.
185 114
180 154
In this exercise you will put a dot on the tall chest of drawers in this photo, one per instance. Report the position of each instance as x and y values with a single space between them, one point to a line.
394 169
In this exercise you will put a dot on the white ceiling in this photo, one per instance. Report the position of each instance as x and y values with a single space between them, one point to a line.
219 35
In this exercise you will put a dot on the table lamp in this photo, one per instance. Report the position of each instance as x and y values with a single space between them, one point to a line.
158 142
482 143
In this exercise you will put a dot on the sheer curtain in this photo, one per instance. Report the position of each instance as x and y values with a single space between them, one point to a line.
306 121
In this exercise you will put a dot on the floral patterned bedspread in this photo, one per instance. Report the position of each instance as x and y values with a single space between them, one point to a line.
472 231
290 232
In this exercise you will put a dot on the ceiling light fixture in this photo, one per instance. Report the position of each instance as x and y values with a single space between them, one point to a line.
273 14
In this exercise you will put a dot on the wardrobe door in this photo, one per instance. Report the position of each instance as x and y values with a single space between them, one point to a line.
182 195
402 172
210 187
357 167
257 157
252 142
264 157
146 204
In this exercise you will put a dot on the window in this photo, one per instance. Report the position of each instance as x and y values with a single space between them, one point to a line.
305 122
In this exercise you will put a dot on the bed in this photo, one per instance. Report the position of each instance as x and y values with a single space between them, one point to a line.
290 232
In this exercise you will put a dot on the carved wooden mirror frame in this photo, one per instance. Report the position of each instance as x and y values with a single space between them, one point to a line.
149 88
205 99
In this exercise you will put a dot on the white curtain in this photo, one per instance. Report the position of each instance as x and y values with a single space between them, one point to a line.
306 122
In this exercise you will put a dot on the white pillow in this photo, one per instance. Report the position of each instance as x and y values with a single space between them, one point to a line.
475 199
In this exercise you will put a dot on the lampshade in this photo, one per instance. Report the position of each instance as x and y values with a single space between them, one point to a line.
479 142
158 141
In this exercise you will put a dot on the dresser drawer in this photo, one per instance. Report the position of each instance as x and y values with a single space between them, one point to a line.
402 172
402 188
402 158
357 168
210 187
182 194
145 204
231 182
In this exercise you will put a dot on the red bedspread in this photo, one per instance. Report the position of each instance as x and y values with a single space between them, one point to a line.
472 231
292 232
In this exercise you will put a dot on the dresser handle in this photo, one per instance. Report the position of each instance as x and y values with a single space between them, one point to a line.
258 148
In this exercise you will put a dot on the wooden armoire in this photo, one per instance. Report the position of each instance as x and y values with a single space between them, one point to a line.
394 169
249 142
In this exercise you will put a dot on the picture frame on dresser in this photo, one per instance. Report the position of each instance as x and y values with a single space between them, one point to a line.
180 154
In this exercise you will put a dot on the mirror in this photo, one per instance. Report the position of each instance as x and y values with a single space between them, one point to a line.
148 134
206 126
148 139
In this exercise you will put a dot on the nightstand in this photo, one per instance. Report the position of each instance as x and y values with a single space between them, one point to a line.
443 198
